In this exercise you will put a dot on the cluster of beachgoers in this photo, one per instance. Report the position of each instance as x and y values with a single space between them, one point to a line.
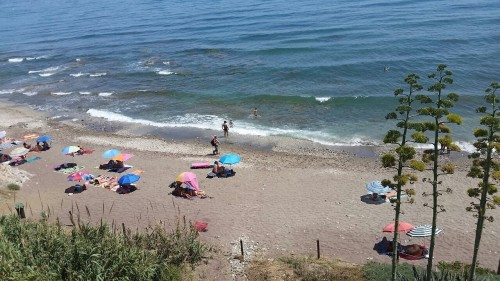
287 194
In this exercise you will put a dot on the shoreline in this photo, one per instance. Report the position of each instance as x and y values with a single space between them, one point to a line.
287 193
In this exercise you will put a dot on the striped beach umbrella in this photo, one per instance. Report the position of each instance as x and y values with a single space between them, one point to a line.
423 231
377 187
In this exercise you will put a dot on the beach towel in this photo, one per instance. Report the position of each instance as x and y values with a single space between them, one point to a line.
6 145
202 165
106 182
32 159
69 170
30 136
121 170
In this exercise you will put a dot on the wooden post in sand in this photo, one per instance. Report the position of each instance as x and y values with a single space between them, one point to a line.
241 246
317 247
498 269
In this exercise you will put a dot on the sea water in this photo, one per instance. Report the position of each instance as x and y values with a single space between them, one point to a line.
318 70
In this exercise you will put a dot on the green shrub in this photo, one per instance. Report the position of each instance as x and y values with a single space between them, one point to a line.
43 251
13 186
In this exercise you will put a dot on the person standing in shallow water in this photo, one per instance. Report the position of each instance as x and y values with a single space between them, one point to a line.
225 128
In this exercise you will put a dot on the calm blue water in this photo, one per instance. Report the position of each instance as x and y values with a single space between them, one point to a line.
314 69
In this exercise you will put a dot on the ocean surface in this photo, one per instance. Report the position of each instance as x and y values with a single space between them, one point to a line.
320 70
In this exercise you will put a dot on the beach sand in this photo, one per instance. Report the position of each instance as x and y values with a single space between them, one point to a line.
286 194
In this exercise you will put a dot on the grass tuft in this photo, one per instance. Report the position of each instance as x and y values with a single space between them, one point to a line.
13 186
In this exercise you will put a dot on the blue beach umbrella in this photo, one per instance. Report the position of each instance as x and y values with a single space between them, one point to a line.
230 159
111 153
377 187
44 138
128 179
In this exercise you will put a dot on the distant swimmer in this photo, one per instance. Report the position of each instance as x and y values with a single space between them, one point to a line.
254 112
386 69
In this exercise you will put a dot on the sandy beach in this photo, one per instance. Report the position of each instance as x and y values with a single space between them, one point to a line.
285 195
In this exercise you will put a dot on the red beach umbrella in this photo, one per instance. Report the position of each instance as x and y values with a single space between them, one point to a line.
403 227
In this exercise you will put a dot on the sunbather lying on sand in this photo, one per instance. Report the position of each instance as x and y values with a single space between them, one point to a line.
106 182
188 193
411 250
112 164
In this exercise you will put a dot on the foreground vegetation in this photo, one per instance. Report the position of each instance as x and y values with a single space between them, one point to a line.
43 251
311 269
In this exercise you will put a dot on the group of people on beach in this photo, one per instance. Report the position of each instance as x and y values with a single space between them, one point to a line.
225 129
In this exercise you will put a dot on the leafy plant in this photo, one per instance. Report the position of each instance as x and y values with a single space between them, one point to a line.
13 186
485 167
42 251
435 106
404 153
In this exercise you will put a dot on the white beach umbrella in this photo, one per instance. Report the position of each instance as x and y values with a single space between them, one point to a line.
423 231
19 151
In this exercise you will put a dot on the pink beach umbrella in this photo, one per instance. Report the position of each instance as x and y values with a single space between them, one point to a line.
80 175
123 157
403 227
189 178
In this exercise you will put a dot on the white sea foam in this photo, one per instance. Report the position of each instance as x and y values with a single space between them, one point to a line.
466 146
49 69
30 93
61 93
98 74
46 74
165 72
79 74
16 59
85 93
7 91
322 99
55 117
111 116
105 94
243 128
